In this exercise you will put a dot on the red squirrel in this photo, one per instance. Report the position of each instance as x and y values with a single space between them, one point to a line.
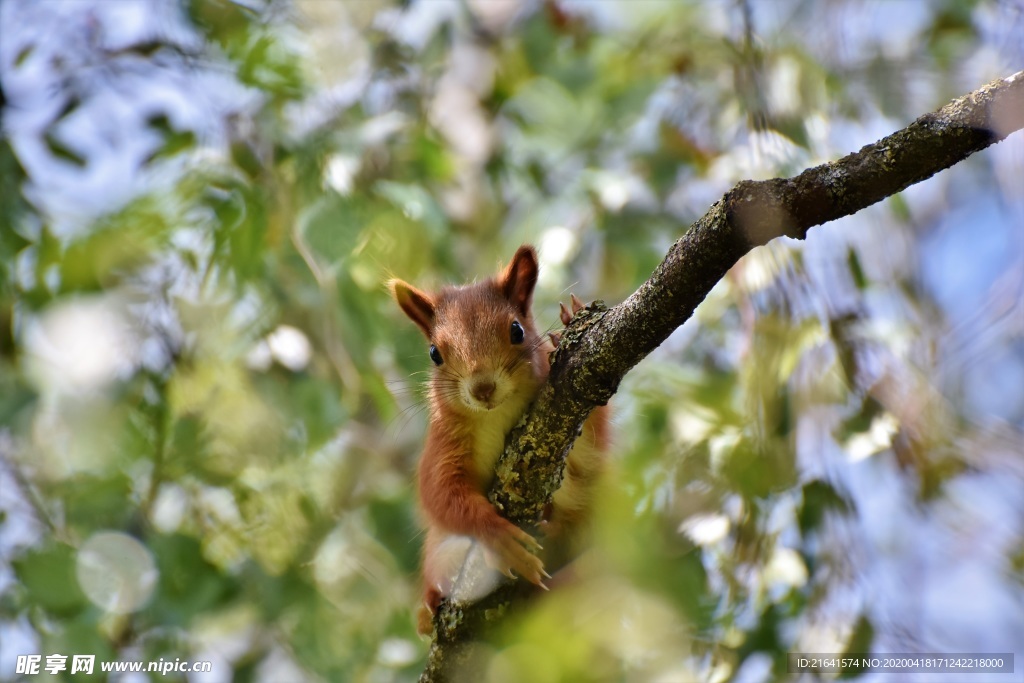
489 363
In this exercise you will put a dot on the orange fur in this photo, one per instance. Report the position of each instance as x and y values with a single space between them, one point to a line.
484 384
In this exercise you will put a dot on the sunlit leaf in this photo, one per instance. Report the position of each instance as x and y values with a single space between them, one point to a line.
267 65
225 21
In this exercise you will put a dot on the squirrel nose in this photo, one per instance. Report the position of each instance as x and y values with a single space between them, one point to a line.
482 390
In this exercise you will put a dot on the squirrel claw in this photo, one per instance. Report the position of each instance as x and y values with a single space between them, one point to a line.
512 554
563 313
556 338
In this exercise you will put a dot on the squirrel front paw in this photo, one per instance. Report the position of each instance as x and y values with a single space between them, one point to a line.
512 551
566 317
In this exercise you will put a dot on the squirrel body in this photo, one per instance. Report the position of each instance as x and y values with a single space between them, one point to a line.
490 362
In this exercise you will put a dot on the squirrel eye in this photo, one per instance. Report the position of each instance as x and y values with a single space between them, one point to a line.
517 332
435 355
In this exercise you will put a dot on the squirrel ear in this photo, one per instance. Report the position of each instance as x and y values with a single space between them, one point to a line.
419 306
519 278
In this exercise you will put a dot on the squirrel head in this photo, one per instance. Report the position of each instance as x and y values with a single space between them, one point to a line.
483 343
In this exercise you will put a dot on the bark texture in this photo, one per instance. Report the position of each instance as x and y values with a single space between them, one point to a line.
602 344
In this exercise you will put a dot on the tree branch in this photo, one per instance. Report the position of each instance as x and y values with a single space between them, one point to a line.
601 345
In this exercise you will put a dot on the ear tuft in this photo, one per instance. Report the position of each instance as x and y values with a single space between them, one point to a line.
519 278
416 304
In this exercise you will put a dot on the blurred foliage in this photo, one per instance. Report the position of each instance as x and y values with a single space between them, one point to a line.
212 367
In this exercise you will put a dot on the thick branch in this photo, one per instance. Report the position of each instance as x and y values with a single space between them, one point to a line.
602 345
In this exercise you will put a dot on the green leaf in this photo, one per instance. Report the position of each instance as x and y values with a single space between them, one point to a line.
48 576
14 209
189 585
331 227
241 227
17 398
431 159
856 270
757 469
859 644
62 151
121 242
416 204
269 66
96 502
223 20
819 498
175 141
